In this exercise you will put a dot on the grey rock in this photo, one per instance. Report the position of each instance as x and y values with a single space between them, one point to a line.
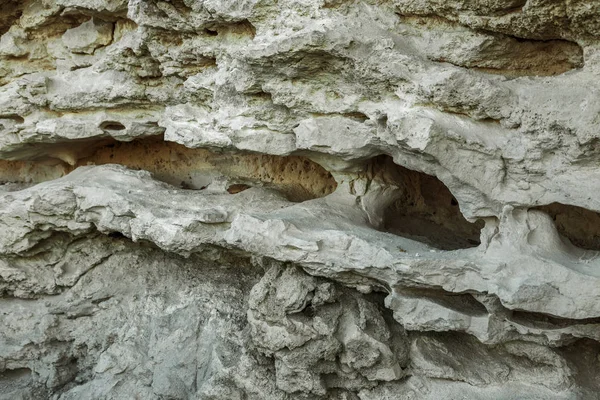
322 199
88 36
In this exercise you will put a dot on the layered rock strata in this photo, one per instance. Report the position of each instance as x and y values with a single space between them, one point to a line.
316 199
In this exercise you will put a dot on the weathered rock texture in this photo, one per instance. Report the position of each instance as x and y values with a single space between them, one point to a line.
299 199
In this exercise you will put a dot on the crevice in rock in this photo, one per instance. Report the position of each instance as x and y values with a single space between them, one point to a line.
116 235
356 116
211 32
237 188
112 126
240 28
545 321
460 112
584 355
297 177
15 374
423 208
487 8
298 65
53 153
484 316
581 226
9 13
14 118
33 51
462 302
457 356
491 52
57 25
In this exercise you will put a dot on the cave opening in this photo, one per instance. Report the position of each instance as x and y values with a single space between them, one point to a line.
296 177
424 209
580 225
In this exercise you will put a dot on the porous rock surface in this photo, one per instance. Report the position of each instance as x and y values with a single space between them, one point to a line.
299 199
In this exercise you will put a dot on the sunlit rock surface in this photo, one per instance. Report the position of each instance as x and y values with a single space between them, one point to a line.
312 199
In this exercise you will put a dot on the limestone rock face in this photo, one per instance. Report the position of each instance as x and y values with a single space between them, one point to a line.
299 199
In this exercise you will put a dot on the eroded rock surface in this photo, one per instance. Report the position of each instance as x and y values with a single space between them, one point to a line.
316 199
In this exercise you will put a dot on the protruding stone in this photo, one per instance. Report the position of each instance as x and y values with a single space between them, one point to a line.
89 36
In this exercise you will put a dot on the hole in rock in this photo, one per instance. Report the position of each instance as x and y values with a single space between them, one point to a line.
237 188
116 235
15 373
581 226
42 159
10 12
462 302
240 28
357 116
424 209
13 379
112 126
13 117
296 177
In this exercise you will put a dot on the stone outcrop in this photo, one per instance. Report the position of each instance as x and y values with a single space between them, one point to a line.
317 199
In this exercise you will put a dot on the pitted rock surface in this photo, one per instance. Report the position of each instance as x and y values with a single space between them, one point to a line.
299 199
